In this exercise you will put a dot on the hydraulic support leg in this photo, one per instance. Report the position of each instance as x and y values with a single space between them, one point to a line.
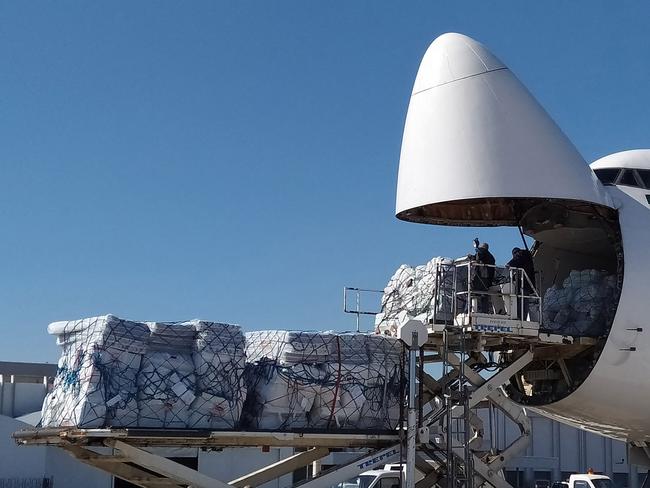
280 468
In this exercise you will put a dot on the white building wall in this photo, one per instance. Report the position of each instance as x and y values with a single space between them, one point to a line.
65 471
28 398
18 462
556 450
230 464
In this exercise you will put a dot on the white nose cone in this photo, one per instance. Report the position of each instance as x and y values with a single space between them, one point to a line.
477 148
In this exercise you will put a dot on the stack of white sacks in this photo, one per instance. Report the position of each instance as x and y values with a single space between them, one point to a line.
411 293
119 373
96 380
300 380
196 374
582 306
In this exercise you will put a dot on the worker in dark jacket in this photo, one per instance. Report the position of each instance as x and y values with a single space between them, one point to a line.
523 259
484 276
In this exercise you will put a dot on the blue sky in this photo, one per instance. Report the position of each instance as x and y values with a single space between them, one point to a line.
237 161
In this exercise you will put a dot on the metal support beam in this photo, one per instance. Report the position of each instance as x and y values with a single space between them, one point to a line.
487 468
166 467
411 424
423 464
565 372
485 471
280 468
499 379
349 470
429 480
112 465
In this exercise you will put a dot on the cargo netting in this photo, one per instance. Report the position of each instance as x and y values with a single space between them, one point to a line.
207 375
584 305
119 373
307 380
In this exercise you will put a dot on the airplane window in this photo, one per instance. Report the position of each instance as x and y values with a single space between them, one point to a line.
628 178
647 197
645 176
607 176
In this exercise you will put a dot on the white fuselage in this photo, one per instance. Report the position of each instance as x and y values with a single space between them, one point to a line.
615 398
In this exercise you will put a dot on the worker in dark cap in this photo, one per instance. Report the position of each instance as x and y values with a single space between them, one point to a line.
484 275
523 259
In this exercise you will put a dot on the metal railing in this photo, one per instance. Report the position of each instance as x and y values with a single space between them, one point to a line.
357 301
469 287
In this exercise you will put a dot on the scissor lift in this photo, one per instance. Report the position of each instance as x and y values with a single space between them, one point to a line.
462 333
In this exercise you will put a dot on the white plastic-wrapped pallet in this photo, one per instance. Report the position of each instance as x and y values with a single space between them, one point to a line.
288 347
118 373
96 381
219 358
341 399
582 306
300 380
384 392
411 293
167 382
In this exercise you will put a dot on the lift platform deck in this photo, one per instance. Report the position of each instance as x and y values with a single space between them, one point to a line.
130 453
67 436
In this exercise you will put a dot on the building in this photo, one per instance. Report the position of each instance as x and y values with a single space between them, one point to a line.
557 450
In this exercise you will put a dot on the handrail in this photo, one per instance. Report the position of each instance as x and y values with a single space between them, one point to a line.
357 311
518 279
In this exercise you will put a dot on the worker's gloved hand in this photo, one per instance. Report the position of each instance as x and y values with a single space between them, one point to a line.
476 242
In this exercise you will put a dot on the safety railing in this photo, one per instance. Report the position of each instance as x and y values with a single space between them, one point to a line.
469 288
358 309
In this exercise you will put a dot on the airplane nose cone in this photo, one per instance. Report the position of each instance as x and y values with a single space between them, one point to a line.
477 148
453 57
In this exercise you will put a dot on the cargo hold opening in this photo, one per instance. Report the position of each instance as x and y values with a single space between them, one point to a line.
578 258
579 272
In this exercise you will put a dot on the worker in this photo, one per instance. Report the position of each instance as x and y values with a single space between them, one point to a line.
523 259
484 275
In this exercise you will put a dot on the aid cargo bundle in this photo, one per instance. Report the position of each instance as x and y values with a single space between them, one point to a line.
309 380
411 294
95 384
196 375
120 373
583 306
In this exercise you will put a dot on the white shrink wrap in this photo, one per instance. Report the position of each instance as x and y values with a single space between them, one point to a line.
219 358
96 380
207 375
411 293
300 380
583 306
119 373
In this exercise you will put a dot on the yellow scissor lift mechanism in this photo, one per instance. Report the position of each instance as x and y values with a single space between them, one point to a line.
449 449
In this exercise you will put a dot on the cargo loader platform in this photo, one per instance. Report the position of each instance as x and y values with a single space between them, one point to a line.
74 436
121 453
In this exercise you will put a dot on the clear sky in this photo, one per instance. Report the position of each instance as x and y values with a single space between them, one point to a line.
237 161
